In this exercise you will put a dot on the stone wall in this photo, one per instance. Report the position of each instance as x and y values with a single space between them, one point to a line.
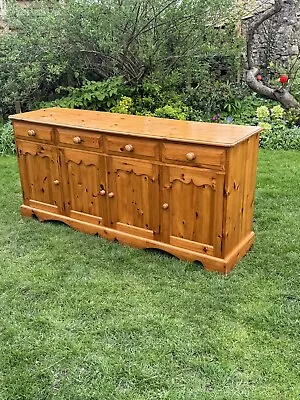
278 38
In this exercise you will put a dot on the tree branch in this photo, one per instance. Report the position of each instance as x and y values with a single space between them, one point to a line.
279 94
150 21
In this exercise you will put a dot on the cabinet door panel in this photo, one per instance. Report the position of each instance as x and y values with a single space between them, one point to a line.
192 217
84 185
39 172
133 196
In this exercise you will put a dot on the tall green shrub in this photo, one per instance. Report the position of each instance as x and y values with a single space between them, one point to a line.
53 44
7 143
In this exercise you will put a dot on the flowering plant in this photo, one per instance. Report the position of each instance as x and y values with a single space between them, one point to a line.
216 118
274 116
277 133
277 112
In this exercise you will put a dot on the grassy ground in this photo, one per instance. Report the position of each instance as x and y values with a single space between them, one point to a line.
82 318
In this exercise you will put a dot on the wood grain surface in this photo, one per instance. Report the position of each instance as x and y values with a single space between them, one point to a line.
159 128
184 187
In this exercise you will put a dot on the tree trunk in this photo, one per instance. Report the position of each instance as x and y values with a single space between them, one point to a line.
279 94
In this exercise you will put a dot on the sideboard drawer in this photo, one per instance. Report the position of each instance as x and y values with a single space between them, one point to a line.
80 138
33 131
206 156
132 147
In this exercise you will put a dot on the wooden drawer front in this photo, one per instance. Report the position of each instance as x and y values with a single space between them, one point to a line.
79 138
33 131
132 147
187 154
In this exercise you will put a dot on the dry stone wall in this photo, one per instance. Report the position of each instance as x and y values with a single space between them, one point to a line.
278 38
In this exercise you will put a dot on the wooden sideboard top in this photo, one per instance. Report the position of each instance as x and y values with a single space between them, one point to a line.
157 128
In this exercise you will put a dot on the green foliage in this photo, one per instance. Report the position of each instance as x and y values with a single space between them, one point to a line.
70 43
91 96
173 60
171 112
278 113
246 114
124 106
217 96
7 143
263 113
148 97
109 95
154 99
284 138
280 131
277 134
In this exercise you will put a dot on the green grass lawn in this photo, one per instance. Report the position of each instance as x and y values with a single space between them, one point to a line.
82 318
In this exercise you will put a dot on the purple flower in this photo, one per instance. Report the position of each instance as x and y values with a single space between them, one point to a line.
216 118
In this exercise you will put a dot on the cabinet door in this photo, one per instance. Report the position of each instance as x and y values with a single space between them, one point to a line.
133 196
192 209
84 185
39 170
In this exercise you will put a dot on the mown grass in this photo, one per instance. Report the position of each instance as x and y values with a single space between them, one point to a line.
82 318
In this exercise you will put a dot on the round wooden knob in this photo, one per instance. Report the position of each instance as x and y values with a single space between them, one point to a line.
102 192
129 148
56 182
111 194
165 206
190 156
77 140
31 132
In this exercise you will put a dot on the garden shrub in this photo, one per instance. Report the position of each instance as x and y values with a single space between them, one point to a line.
101 40
124 106
7 143
115 96
101 95
215 96
172 112
246 113
278 132
283 139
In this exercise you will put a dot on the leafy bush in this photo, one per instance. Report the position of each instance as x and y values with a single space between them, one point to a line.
175 111
285 139
148 97
172 112
280 131
100 40
246 114
277 133
7 143
115 96
215 96
124 106
91 96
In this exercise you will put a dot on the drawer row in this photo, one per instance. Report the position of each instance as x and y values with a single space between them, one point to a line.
124 145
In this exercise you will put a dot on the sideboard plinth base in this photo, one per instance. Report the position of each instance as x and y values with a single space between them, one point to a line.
210 263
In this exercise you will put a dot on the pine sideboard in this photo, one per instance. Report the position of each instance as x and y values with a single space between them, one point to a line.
183 187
